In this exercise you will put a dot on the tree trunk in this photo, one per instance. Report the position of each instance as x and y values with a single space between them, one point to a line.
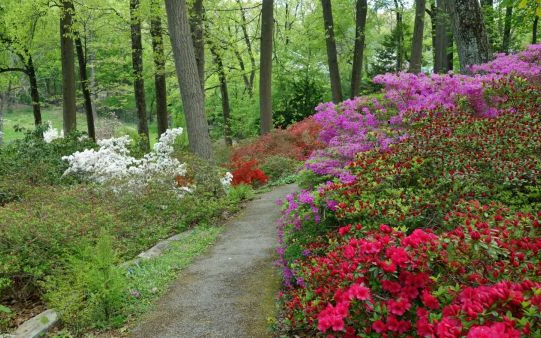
138 81
85 88
3 99
188 78
68 68
196 24
244 27
360 23
506 42
159 67
469 32
334 72
34 91
226 111
443 40
265 71
399 37
417 43
450 58
534 30
487 7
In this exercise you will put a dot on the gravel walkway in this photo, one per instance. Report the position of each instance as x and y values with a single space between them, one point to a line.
230 290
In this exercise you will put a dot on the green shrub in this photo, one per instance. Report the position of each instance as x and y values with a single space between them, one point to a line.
90 292
240 192
276 167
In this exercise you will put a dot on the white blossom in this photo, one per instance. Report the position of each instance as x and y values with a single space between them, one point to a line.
51 134
112 164
226 180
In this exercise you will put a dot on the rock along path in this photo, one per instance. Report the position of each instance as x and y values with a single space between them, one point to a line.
230 290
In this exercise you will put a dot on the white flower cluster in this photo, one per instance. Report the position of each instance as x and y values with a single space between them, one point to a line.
51 134
112 163
226 180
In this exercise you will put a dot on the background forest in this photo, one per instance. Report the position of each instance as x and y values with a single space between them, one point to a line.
30 57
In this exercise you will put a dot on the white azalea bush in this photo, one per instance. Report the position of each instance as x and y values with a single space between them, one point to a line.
111 164
50 134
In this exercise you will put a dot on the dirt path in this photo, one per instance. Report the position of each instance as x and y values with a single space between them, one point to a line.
230 290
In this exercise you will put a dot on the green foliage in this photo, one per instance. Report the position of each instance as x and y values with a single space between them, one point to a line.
241 192
277 167
91 291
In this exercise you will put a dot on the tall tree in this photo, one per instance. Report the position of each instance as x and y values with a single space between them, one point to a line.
534 29
332 58
506 42
244 28
68 67
487 7
188 78
85 87
265 70
226 109
197 18
399 36
417 43
138 81
156 32
360 23
469 32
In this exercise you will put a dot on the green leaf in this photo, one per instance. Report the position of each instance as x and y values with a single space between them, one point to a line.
5 309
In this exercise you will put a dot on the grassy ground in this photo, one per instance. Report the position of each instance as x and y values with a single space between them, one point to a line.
22 117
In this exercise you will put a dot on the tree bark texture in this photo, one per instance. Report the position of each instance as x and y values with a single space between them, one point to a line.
332 58
360 23
83 76
156 32
470 34
417 43
188 78
265 70
506 42
442 38
68 68
138 81
34 90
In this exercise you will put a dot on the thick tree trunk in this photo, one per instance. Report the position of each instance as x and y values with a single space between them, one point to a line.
360 23
399 37
417 43
34 91
226 110
188 78
68 68
85 88
469 32
198 35
159 68
506 42
534 30
138 81
265 71
244 27
332 58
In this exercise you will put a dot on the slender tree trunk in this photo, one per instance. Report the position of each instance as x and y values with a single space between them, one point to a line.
334 72
265 71
534 30
360 23
3 99
450 57
188 78
138 81
68 68
469 32
507 30
487 7
34 91
159 67
226 110
399 37
417 43
247 84
85 88
244 27
443 61
196 24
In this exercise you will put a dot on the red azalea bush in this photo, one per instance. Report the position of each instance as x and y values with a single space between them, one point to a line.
248 173
476 278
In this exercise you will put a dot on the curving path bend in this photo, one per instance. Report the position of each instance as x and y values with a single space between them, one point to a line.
230 290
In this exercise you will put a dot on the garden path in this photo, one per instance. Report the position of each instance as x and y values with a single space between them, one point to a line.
230 290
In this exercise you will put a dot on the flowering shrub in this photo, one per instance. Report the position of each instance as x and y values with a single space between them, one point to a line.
112 163
51 134
248 173
423 217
